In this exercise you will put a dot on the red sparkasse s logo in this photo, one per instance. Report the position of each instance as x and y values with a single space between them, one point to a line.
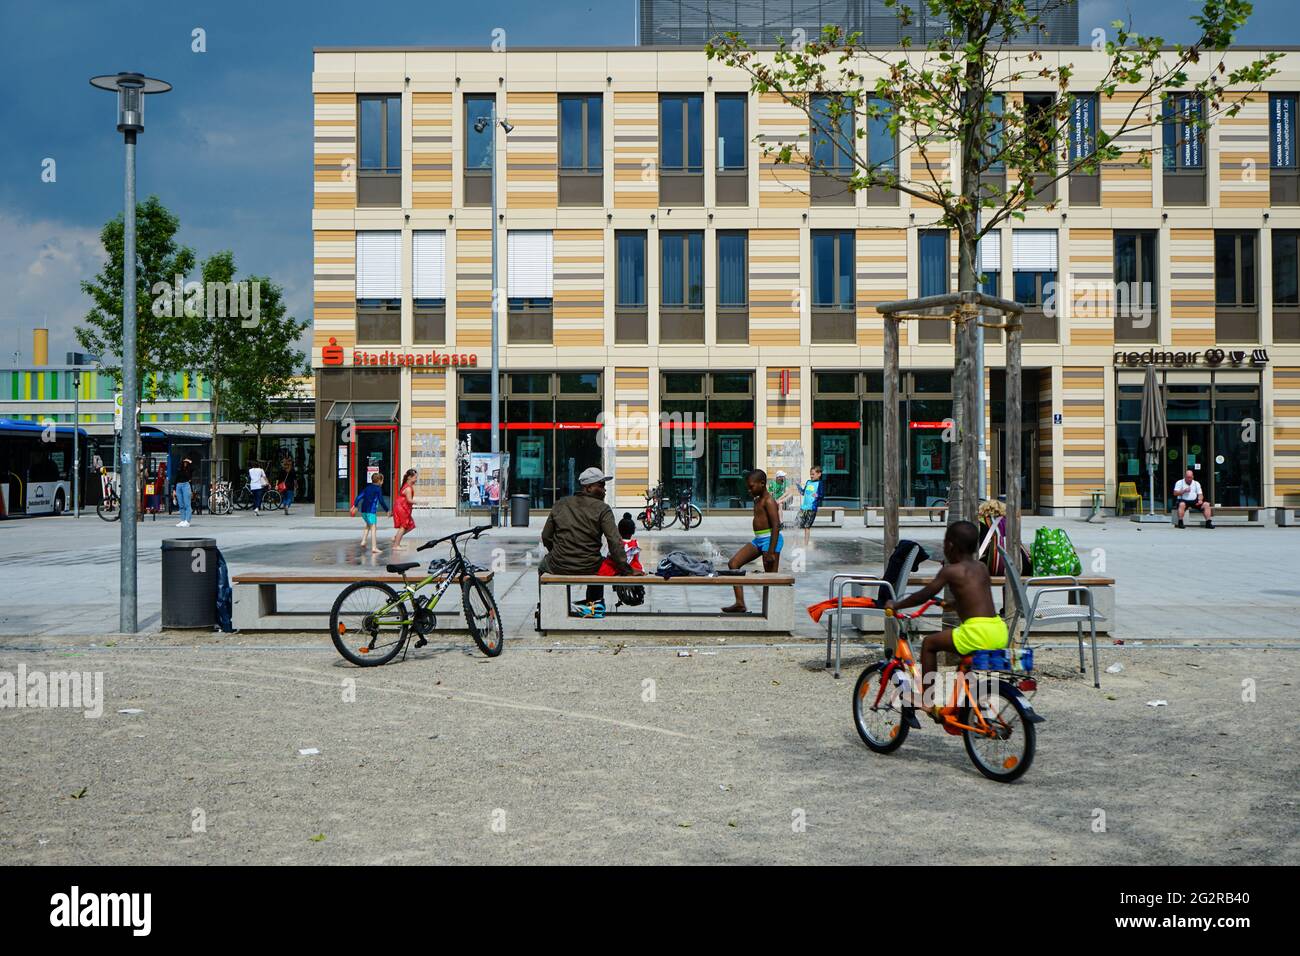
332 354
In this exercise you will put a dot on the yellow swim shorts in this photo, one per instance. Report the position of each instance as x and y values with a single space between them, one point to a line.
980 634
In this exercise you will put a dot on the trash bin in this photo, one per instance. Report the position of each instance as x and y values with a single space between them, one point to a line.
519 511
189 582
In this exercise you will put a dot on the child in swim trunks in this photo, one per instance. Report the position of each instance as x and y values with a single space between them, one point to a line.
767 540
980 629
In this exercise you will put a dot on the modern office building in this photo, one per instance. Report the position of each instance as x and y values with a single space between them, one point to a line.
680 308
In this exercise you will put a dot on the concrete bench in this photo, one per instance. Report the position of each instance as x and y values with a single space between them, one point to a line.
1103 596
774 616
256 606
1287 517
908 515
827 518
1255 515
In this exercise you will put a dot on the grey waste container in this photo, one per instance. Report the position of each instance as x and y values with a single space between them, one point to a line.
519 511
189 582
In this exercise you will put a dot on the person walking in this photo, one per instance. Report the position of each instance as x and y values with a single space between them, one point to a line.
289 483
813 491
257 485
370 500
403 504
184 496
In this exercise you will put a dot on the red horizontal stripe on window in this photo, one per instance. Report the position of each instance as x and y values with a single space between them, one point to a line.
692 425
836 424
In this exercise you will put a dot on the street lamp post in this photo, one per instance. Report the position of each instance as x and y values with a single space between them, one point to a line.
131 89
480 124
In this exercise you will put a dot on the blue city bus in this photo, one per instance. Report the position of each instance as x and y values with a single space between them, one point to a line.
36 464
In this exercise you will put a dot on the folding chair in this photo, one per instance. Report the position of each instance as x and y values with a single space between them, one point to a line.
835 617
1052 613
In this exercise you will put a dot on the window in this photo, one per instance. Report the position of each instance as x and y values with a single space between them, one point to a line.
630 312
989 263
681 287
993 180
530 282
581 150
707 437
833 281
480 136
1135 286
429 287
379 180
732 182
1034 266
379 287
1183 149
934 277
1236 312
1284 176
733 287
882 152
1040 121
681 149
832 142
1286 285
1085 182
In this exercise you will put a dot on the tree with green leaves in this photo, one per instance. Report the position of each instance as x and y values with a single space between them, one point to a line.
948 95
262 362
161 340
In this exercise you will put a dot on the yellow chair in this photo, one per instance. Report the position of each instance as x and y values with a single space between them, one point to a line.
1127 492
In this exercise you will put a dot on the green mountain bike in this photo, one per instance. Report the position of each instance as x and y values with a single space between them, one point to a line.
371 620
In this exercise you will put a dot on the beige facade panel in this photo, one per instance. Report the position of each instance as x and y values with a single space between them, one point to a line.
774 293
334 300
1126 182
431 150
1244 156
532 151
1091 290
579 302
473 288
636 150
334 151
781 186
1286 435
881 277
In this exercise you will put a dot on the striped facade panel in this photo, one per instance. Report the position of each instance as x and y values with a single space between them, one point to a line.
1092 284
430 453
774 294
1286 435
532 151
636 150
882 277
1083 407
780 124
334 300
632 433
473 288
783 414
431 150
1191 259
579 288
1046 496
1243 155
1126 181
334 151
932 160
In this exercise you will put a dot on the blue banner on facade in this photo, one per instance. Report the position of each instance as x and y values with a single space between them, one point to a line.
1189 133
1083 126
1282 130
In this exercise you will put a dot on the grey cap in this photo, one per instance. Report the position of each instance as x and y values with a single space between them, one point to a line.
593 475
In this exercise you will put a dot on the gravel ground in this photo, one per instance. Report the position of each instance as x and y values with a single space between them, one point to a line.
551 754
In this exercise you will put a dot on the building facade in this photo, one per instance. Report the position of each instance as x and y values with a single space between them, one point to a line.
677 307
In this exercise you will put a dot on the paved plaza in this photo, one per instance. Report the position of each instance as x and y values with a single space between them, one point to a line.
264 748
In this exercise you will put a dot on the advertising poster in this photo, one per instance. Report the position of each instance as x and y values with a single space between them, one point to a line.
532 452
487 484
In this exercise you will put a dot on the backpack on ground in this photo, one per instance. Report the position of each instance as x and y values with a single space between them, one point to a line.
630 595
679 564
1053 553
993 535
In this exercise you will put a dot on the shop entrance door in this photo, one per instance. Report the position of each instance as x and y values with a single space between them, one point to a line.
374 450
1188 447
1028 466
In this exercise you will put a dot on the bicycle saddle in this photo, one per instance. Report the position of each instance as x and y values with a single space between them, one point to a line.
403 567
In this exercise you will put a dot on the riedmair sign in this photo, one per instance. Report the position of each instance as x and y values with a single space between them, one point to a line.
1210 358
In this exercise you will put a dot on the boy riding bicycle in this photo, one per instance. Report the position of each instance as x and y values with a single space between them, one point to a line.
980 630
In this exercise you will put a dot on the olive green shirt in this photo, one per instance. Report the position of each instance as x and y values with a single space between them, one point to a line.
572 536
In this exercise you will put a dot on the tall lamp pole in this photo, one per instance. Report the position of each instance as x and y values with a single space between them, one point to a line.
480 124
131 89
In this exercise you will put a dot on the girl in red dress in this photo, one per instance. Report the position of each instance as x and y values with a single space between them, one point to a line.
403 502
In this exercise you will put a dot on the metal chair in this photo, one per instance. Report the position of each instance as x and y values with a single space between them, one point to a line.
1053 613
835 617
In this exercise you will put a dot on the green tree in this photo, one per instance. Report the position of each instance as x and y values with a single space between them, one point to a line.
947 94
214 330
264 361
161 340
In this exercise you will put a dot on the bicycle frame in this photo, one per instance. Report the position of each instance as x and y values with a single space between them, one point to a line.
458 567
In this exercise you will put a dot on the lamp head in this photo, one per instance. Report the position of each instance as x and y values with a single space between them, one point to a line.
131 89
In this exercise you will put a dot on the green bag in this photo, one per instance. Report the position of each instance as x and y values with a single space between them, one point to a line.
1053 553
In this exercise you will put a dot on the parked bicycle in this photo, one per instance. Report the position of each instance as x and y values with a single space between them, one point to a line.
110 505
243 499
656 515
992 715
371 620
219 499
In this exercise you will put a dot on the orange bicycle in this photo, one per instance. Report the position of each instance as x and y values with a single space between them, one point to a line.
994 718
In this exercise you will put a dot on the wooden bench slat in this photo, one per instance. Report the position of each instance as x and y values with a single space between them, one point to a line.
757 578
1047 581
335 578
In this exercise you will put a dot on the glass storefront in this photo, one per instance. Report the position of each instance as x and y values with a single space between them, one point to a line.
708 445
1215 429
550 427
274 450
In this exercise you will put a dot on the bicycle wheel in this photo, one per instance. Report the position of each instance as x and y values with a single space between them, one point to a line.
482 616
692 517
222 504
1006 754
368 623
243 499
648 518
109 509
271 500
882 727
667 517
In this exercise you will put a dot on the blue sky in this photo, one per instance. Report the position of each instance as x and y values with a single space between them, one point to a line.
229 150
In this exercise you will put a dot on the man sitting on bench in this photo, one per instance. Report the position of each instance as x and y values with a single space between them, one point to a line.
572 538
1190 495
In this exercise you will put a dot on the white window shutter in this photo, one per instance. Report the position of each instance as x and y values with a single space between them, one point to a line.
429 265
379 265
990 252
1033 250
530 264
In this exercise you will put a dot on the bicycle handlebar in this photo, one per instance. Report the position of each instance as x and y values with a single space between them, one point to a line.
456 534
890 612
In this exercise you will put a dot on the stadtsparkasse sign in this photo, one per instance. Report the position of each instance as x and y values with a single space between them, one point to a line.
335 355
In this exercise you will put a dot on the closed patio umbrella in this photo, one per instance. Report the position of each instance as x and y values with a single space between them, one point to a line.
1155 430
